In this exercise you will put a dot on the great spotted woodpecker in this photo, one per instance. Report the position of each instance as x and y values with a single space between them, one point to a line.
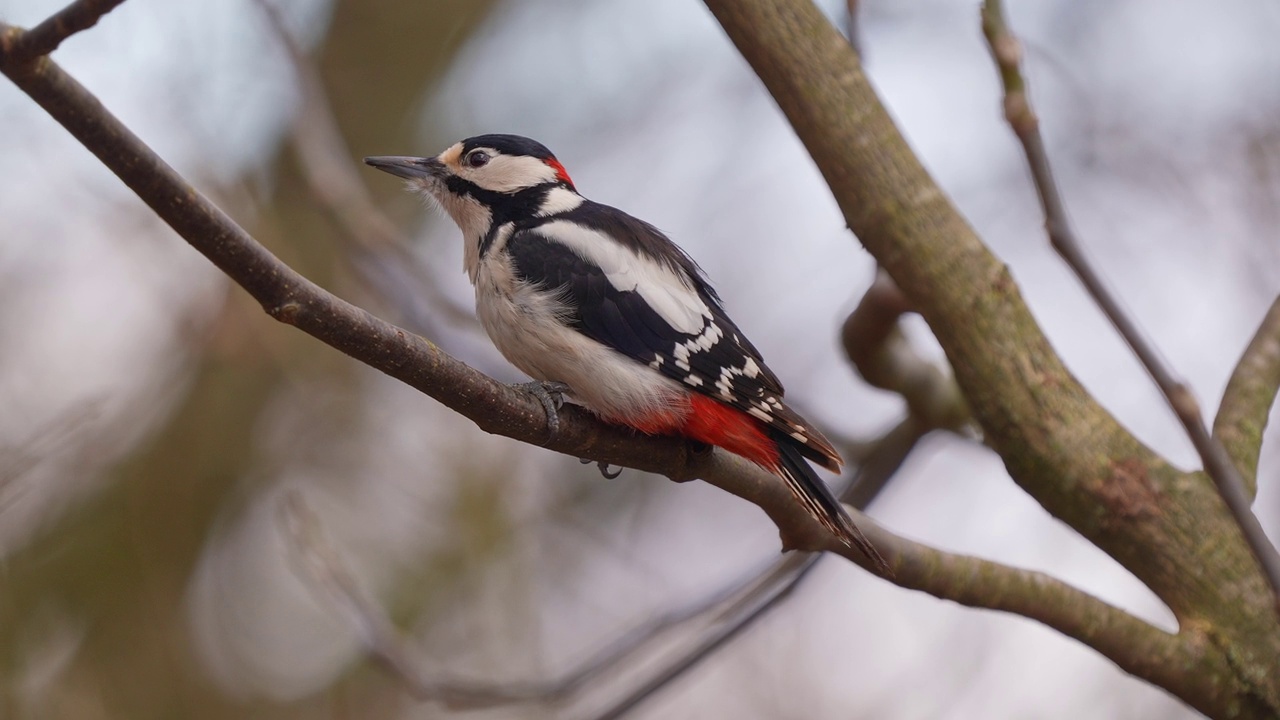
591 299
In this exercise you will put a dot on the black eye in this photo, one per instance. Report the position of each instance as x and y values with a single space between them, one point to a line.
477 158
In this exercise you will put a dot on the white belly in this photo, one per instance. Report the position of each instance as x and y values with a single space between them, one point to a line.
524 323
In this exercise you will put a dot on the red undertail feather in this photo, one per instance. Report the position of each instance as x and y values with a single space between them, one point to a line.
715 423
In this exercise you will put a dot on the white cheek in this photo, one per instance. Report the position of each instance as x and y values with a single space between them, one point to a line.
506 173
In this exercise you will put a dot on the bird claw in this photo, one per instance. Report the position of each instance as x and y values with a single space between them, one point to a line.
603 467
551 395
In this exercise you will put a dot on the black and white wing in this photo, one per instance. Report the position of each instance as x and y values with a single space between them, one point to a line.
627 286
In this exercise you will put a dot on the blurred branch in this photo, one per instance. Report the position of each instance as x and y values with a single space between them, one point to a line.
735 608
875 344
326 570
1250 393
48 35
380 249
1007 53
775 586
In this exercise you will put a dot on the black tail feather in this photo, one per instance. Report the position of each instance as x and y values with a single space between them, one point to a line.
818 499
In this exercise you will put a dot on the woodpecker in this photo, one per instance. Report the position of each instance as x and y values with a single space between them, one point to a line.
604 307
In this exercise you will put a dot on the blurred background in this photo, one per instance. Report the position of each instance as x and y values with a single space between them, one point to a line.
170 456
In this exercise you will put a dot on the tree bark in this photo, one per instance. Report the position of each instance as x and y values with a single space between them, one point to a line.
1168 528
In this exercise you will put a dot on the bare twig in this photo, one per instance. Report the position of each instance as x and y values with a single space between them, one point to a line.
1250 393
380 249
48 35
1007 52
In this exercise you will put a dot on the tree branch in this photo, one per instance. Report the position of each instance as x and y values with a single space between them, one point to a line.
292 299
1247 402
1056 441
48 35
1007 52
874 342
1136 646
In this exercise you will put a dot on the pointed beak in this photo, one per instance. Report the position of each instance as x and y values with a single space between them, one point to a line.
413 168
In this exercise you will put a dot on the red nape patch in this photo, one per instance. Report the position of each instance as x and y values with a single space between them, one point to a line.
715 423
560 171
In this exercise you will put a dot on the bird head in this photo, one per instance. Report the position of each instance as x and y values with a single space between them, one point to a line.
485 179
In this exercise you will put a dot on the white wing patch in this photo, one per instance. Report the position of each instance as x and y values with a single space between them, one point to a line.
669 294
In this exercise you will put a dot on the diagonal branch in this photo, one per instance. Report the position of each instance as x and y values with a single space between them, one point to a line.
292 299
48 35
1007 52
1250 393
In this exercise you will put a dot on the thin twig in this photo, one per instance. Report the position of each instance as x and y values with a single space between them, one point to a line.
48 35
1250 393
1007 52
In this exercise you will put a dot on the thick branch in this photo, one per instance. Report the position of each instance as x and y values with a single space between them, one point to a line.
1056 441
1247 402
1006 50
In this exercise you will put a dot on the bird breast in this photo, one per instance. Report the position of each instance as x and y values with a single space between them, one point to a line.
529 326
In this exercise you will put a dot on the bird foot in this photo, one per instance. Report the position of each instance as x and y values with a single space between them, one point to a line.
603 467
551 395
